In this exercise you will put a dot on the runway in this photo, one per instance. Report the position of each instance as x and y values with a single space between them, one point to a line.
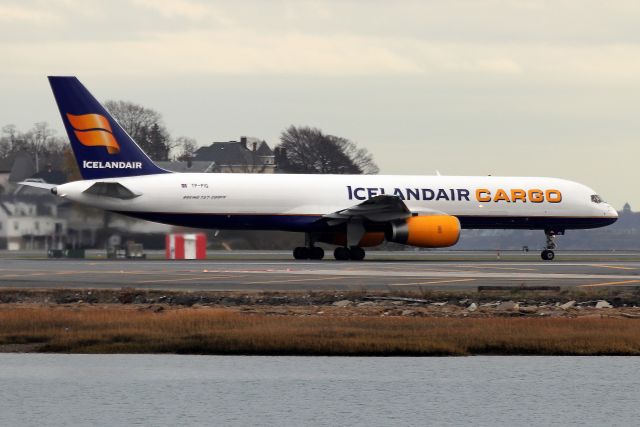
270 272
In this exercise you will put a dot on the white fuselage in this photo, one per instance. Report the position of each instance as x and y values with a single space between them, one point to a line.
246 200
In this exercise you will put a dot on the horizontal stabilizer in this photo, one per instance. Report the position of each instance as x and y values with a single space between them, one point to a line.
36 184
111 189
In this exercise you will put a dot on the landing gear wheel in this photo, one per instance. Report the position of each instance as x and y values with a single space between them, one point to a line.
547 255
357 253
341 253
301 253
316 252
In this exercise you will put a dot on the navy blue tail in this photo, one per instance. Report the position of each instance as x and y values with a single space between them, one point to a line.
102 148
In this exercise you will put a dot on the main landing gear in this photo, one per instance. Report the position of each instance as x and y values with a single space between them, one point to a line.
343 253
352 250
308 251
311 252
548 253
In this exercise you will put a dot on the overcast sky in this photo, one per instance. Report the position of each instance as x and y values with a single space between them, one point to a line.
542 88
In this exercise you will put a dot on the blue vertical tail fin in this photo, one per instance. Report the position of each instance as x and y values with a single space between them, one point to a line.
101 147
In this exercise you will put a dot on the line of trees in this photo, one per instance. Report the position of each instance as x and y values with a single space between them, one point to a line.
40 141
145 126
301 150
148 130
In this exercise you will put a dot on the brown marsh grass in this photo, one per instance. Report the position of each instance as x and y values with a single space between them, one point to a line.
99 329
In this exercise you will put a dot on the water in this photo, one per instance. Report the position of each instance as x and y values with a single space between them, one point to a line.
167 390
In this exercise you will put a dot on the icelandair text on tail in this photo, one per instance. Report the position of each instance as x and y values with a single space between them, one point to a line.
111 165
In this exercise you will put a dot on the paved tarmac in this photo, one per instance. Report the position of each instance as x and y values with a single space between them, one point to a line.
271 271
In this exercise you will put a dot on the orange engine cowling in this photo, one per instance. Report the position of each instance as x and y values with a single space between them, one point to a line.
433 231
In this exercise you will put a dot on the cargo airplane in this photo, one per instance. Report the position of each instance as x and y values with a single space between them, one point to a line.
349 211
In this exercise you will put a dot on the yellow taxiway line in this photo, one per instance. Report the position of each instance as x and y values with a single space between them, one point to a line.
618 267
185 279
431 282
297 280
625 282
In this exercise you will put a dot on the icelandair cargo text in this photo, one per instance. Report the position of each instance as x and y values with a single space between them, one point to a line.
482 195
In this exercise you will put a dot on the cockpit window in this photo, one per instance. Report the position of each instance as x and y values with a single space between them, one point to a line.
596 199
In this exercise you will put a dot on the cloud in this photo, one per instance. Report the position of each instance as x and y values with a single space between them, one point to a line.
526 40
13 13
251 52
192 10
218 52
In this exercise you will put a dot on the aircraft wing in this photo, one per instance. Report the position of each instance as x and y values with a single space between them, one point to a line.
382 208
37 184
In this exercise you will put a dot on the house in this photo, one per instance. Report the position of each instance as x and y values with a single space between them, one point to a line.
5 171
30 223
187 166
51 175
13 168
249 155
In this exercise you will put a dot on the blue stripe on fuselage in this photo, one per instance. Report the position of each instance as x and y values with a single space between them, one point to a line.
314 223
236 221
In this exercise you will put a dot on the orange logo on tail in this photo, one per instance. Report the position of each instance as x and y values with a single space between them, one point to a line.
94 130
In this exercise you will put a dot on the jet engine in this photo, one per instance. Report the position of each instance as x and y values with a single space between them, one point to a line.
432 231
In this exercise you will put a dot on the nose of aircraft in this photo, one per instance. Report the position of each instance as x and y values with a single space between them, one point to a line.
610 212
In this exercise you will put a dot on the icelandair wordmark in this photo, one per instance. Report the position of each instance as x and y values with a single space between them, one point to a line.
361 193
111 165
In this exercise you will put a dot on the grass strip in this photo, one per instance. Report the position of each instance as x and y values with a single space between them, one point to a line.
104 329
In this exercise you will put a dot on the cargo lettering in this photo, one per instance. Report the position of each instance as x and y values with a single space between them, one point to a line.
517 195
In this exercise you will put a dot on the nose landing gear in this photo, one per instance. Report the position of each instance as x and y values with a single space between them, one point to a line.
548 253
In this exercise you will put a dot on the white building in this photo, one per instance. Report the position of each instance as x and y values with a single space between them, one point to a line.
30 224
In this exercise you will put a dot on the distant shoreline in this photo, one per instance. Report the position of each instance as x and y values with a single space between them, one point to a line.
323 324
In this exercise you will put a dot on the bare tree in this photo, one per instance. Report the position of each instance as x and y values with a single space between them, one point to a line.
8 139
360 157
134 118
145 126
37 140
309 150
187 148
10 131
70 166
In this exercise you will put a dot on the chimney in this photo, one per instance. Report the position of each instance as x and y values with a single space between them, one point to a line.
243 141
254 146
